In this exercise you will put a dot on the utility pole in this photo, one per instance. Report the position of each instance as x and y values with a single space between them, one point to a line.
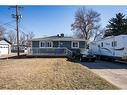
17 28
17 16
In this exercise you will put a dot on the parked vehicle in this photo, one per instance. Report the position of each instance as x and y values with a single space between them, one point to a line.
112 47
85 55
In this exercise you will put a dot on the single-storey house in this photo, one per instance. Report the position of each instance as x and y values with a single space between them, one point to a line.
58 45
5 46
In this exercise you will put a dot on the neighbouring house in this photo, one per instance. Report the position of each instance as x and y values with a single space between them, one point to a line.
5 46
22 48
58 45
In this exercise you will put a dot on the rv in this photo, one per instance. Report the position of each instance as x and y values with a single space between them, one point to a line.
112 47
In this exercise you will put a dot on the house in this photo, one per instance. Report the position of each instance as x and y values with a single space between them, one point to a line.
22 48
58 45
5 46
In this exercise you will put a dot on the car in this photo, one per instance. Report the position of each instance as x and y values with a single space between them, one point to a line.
85 55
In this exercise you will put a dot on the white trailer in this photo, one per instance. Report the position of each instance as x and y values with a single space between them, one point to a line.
113 47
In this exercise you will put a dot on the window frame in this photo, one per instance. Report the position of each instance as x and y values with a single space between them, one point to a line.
46 44
102 44
114 43
75 42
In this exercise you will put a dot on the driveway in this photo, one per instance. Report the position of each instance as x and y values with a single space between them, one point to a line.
10 55
115 73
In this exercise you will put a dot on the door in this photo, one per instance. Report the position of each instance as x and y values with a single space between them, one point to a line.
4 49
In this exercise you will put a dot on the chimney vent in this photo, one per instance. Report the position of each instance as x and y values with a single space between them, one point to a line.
57 35
62 35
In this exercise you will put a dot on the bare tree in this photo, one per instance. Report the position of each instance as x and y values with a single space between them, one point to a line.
77 34
22 39
2 31
30 35
29 38
86 22
99 34
11 35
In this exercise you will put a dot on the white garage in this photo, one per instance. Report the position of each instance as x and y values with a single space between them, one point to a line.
5 47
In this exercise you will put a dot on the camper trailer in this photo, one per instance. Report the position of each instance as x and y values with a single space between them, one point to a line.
112 47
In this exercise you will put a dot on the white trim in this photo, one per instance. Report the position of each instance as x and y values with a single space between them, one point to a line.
45 42
72 44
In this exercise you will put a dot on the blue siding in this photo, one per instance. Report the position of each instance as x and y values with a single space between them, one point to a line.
66 44
82 44
55 44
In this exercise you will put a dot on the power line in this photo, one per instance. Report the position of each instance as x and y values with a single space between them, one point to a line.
13 27
7 23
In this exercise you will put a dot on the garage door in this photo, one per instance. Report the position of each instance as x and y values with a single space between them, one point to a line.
4 49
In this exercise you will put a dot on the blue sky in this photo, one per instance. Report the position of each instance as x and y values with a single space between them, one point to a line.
51 20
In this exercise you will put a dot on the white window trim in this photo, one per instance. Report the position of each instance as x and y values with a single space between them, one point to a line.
45 42
40 44
72 44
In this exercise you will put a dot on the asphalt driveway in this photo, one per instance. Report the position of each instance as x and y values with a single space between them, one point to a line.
115 73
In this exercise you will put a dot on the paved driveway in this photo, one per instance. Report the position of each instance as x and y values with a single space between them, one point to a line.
115 73
10 55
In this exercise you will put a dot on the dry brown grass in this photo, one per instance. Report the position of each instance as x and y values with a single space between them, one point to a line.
48 73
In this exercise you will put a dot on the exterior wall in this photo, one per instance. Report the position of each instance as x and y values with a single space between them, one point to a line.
5 47
82 44
66 44
55 44
58 48
35 44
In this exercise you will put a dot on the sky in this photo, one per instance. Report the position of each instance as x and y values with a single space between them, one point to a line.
52 20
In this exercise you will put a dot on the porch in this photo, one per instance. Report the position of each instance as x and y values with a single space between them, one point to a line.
61 52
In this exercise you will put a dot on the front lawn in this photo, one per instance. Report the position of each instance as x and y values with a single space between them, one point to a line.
48 73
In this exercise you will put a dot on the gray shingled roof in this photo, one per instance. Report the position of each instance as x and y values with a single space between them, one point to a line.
56 38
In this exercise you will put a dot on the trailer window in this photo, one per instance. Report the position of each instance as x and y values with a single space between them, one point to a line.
102 44
114 43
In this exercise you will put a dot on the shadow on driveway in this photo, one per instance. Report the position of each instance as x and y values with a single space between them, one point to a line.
104 65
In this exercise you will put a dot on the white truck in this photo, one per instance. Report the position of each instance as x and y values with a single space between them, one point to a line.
86 55
112 47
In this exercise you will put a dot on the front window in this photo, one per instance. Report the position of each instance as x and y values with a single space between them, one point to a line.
45 44
102 44
75 44
42 44
48 44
